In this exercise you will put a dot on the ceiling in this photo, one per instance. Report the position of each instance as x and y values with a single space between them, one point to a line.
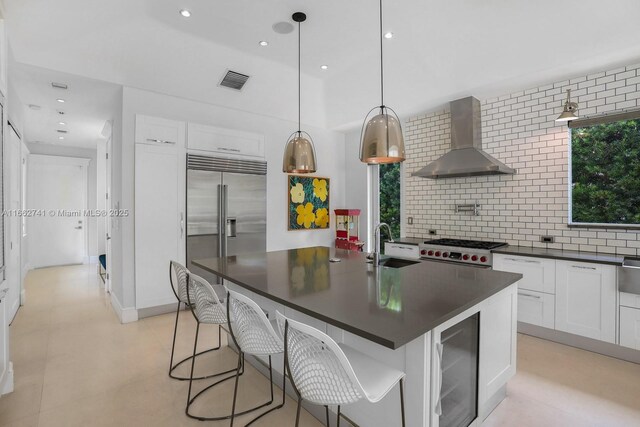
88 105
441 50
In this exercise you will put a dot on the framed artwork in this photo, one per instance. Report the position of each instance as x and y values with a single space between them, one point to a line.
308 202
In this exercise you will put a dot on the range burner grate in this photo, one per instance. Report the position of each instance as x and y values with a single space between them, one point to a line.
471 244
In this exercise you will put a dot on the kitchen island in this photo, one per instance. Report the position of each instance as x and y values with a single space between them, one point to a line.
400 316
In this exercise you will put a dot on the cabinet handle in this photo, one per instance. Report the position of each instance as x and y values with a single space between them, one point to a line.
181 225
233 150
439 350
160 141
528 261
583 267
529 295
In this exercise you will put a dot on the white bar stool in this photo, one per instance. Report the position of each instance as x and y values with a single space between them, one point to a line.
327 373
253 334
178 275
206 308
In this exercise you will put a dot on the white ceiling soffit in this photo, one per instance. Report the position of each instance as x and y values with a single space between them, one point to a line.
88 105
441 49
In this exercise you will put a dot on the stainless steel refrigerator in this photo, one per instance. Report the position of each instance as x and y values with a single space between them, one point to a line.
226 209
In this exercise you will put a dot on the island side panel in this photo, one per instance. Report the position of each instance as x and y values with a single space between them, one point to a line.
498 348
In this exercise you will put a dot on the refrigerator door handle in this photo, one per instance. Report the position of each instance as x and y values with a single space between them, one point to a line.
220 217
225 203
181 225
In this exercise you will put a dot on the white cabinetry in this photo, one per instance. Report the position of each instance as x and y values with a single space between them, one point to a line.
536 289
224 141
586 299
536 308
630 320
159 207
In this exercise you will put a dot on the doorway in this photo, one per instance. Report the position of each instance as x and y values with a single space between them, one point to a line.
57 202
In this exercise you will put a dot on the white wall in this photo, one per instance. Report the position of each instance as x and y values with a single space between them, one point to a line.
55 150
520 130
101 188
331 163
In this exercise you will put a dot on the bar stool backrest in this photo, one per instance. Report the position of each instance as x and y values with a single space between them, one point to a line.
250 327
204 302
178 274
319 369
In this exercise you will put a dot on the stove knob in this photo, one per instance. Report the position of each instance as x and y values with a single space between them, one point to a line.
483 259
465 257
430 253
437 253
474 258
423 252
445 254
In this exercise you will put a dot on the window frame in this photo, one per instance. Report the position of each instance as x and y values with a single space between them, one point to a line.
585 122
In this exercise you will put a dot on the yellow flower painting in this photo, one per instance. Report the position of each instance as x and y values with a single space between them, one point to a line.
320 189
305 215
308 202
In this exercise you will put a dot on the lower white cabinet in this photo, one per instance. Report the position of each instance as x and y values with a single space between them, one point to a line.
536 308
586 299
630 327
159 221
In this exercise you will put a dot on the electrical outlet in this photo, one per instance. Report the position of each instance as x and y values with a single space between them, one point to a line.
410 220
433 232
547 239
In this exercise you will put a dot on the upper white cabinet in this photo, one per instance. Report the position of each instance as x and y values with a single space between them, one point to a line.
586 299
224 141
158 131
538 274
159 208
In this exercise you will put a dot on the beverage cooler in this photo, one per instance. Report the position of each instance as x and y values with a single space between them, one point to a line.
455 374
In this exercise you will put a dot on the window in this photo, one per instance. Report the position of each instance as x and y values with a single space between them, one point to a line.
605 171
390 196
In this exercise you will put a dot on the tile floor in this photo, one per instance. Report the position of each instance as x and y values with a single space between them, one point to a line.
75 365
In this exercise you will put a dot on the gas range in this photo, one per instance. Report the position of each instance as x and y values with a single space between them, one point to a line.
473 252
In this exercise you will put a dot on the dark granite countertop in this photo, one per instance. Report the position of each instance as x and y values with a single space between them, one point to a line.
599 258
386 305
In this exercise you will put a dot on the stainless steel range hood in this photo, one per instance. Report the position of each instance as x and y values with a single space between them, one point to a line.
466 157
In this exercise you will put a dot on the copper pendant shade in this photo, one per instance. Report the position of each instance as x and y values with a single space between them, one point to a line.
299 153
381 139
569 110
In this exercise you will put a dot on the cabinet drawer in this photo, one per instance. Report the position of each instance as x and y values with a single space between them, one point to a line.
157 131
630 327
629 300
536 308
224 141
538 274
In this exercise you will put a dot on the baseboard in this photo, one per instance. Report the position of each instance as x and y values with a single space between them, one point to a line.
126 315
7 384
589 344
157 311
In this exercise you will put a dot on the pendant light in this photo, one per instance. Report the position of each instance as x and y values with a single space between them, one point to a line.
569 110
299 153
381 139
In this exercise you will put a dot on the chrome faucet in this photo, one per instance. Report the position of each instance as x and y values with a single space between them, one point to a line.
376 234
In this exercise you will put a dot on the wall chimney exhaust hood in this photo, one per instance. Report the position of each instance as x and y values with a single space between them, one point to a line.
466 157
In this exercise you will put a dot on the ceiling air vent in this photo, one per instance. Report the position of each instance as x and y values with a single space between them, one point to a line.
59 85
234 80
62 131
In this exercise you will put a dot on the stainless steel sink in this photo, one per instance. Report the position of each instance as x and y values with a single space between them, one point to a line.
397 262
629 276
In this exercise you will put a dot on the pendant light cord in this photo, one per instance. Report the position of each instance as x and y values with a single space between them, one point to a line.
299 102
381 61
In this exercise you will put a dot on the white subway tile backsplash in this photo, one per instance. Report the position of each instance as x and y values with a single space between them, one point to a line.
520 130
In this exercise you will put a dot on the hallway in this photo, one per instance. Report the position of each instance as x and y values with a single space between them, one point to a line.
76 365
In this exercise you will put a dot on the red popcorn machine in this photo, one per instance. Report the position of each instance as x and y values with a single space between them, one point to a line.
347 229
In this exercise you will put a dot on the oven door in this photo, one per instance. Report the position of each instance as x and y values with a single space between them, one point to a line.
456 263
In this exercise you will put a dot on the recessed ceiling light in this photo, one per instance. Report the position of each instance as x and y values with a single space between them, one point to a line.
324 67
388 35
186 13
61 137
62 123
60 100
263 43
